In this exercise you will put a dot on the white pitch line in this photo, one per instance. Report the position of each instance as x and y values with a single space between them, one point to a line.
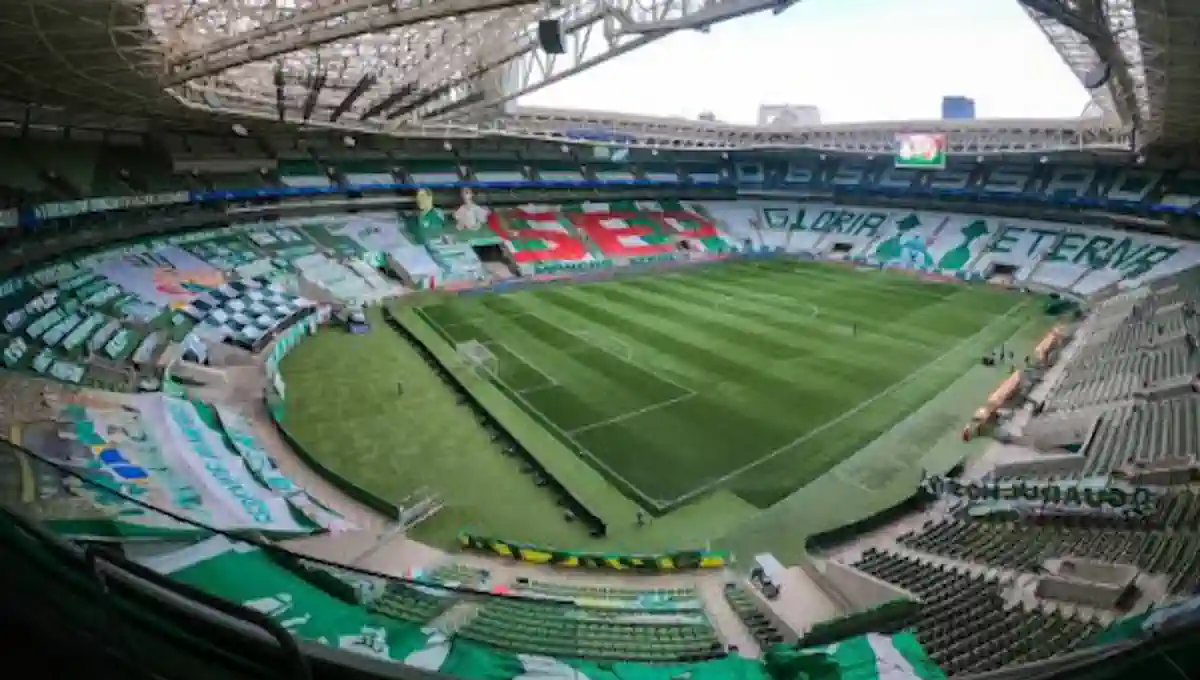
583 335
852 482
550 381
632 414
483 324
539 388
830 423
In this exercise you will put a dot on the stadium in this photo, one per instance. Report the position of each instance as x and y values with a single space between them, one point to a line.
324 357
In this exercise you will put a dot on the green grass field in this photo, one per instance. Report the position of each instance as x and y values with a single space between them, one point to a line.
758 377
750 380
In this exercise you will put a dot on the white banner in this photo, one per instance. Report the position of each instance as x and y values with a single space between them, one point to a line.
239 431
190 443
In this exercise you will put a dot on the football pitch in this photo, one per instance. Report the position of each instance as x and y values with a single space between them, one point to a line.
756 378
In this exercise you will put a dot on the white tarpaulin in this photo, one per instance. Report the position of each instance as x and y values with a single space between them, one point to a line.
374 232
158 450
245 502
239 431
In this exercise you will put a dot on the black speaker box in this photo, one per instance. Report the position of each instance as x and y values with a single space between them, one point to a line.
550 36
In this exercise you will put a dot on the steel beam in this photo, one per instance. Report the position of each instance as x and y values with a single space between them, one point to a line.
295 36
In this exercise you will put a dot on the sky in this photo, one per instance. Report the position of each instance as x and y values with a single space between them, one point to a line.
857 60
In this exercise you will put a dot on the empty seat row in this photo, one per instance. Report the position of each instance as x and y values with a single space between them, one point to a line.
1144 433
570 631
964 623
760 626
1025 546
647 596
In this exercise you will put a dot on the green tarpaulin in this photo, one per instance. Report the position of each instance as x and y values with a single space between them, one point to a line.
866 657
251 578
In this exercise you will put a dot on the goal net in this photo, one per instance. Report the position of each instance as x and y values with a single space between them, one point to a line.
478 358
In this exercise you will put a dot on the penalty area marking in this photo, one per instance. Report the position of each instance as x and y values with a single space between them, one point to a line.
632 414
492 342
550 381
567 435
585 337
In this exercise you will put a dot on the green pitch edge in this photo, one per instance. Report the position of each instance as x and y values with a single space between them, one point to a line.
580 479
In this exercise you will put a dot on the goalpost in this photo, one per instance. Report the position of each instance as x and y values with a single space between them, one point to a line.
478 358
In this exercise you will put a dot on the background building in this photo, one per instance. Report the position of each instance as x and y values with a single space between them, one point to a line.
787 115
958 108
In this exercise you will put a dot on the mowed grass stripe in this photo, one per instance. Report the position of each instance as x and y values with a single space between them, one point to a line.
844 369
803 353
811 324
879 303
769 418
733 332
666 363
710 358
812 335
858 307
822 365
457 327
733 355
826 323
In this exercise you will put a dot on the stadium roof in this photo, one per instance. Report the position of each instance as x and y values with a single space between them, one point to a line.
1151 49
454 67
384 65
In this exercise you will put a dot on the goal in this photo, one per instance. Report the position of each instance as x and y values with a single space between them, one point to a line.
478 358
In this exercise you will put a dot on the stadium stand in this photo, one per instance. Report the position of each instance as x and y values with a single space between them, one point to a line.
190 190
110 320
650 634
759 624
410 603
965 622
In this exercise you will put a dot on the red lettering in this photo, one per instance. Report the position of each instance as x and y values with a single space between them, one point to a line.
690 225
531 244
624 234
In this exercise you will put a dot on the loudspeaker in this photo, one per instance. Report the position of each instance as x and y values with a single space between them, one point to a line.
550 36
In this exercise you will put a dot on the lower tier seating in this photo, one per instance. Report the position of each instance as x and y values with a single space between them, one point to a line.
568 631
765 633
651 597
1024 546
964 622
